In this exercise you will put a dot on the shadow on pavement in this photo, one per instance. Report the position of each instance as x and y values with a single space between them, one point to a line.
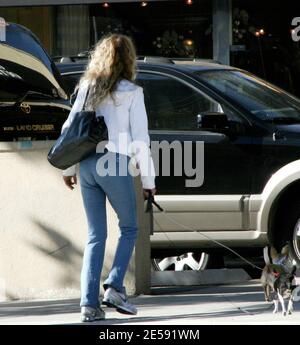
227 313
176 304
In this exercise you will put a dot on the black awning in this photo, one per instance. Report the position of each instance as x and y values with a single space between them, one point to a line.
10 3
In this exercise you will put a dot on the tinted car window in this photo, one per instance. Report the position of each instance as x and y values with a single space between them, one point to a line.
171 104
260 98
71 80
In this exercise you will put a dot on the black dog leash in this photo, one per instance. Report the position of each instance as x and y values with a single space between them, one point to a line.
151 202
149 208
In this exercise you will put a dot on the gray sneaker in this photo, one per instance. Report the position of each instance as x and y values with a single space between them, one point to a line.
89 314
115 299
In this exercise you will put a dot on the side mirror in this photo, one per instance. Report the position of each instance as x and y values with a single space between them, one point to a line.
212 121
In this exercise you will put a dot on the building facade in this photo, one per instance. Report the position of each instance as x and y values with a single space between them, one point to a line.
181 28
249 34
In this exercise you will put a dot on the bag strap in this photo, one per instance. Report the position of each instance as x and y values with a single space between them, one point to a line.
86 98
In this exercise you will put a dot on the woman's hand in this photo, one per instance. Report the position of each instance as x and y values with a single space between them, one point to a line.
146 192
70 181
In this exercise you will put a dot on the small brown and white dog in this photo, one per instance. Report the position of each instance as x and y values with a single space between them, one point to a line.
278 278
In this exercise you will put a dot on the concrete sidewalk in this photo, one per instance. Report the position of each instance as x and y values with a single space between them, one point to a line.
228 304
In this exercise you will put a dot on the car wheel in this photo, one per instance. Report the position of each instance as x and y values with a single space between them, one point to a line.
290 222
185 262
296 241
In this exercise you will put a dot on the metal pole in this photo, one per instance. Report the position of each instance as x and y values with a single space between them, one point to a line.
95 30
261 57
222 30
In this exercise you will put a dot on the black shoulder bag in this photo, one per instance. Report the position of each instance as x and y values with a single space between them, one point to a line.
79 140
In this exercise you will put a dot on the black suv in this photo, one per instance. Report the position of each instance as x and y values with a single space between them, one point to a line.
250 130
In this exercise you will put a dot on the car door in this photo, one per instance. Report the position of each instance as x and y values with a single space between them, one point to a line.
174 107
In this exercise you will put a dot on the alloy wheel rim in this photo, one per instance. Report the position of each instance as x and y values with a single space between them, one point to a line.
183 262
296 239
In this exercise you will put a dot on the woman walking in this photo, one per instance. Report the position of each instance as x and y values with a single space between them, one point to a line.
109 83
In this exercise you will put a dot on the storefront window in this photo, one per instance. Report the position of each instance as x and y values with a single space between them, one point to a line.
161 28
263 43
72 33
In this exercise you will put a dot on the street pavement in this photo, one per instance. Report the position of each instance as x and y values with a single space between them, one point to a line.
236 304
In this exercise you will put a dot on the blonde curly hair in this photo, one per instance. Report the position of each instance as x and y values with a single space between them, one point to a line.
113 59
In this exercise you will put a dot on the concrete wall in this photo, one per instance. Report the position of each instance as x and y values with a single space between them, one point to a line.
43 230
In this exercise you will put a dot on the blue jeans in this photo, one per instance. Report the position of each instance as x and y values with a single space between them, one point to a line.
121 194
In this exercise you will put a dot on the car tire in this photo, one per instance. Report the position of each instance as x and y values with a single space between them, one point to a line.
185 262
290 222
